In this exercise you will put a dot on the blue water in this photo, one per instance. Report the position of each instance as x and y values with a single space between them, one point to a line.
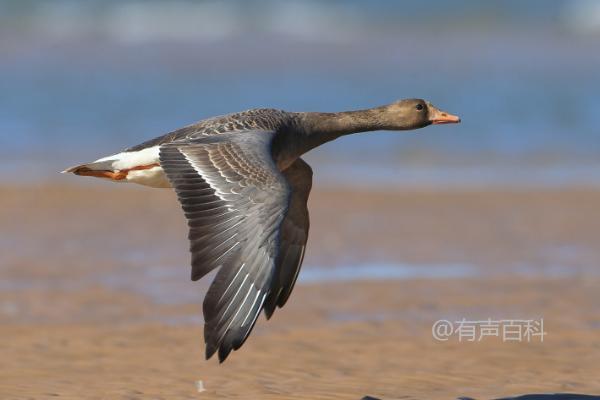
170 285
525 84
384 272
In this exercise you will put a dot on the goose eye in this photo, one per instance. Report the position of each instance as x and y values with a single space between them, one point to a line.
419 107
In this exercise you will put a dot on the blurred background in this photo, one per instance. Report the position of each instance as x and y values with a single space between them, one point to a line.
84 78
497 217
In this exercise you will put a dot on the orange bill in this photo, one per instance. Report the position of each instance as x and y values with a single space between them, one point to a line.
441 117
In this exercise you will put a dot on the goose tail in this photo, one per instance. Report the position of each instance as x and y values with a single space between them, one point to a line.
93 166
141 167
98 169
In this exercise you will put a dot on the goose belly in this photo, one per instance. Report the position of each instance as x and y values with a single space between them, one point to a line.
154 177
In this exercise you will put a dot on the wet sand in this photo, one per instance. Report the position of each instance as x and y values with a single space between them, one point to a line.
96 301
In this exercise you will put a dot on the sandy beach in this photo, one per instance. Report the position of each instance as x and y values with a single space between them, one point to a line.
96 301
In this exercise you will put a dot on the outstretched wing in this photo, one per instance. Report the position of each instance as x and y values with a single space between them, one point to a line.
294 234
235 200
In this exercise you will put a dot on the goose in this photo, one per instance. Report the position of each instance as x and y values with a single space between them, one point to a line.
244 190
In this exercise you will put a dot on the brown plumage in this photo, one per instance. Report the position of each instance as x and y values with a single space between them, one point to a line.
244 190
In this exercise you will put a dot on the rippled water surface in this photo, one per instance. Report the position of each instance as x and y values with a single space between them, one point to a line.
526 87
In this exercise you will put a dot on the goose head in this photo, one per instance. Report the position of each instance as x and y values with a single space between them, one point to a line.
413 114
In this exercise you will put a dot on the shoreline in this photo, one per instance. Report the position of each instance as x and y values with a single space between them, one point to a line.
97 302
323 344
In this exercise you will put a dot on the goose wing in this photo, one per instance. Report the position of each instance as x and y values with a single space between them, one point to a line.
235 200
294 234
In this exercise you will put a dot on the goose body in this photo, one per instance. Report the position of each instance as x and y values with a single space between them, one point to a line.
243 188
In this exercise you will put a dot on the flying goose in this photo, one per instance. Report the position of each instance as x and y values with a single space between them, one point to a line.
244 188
